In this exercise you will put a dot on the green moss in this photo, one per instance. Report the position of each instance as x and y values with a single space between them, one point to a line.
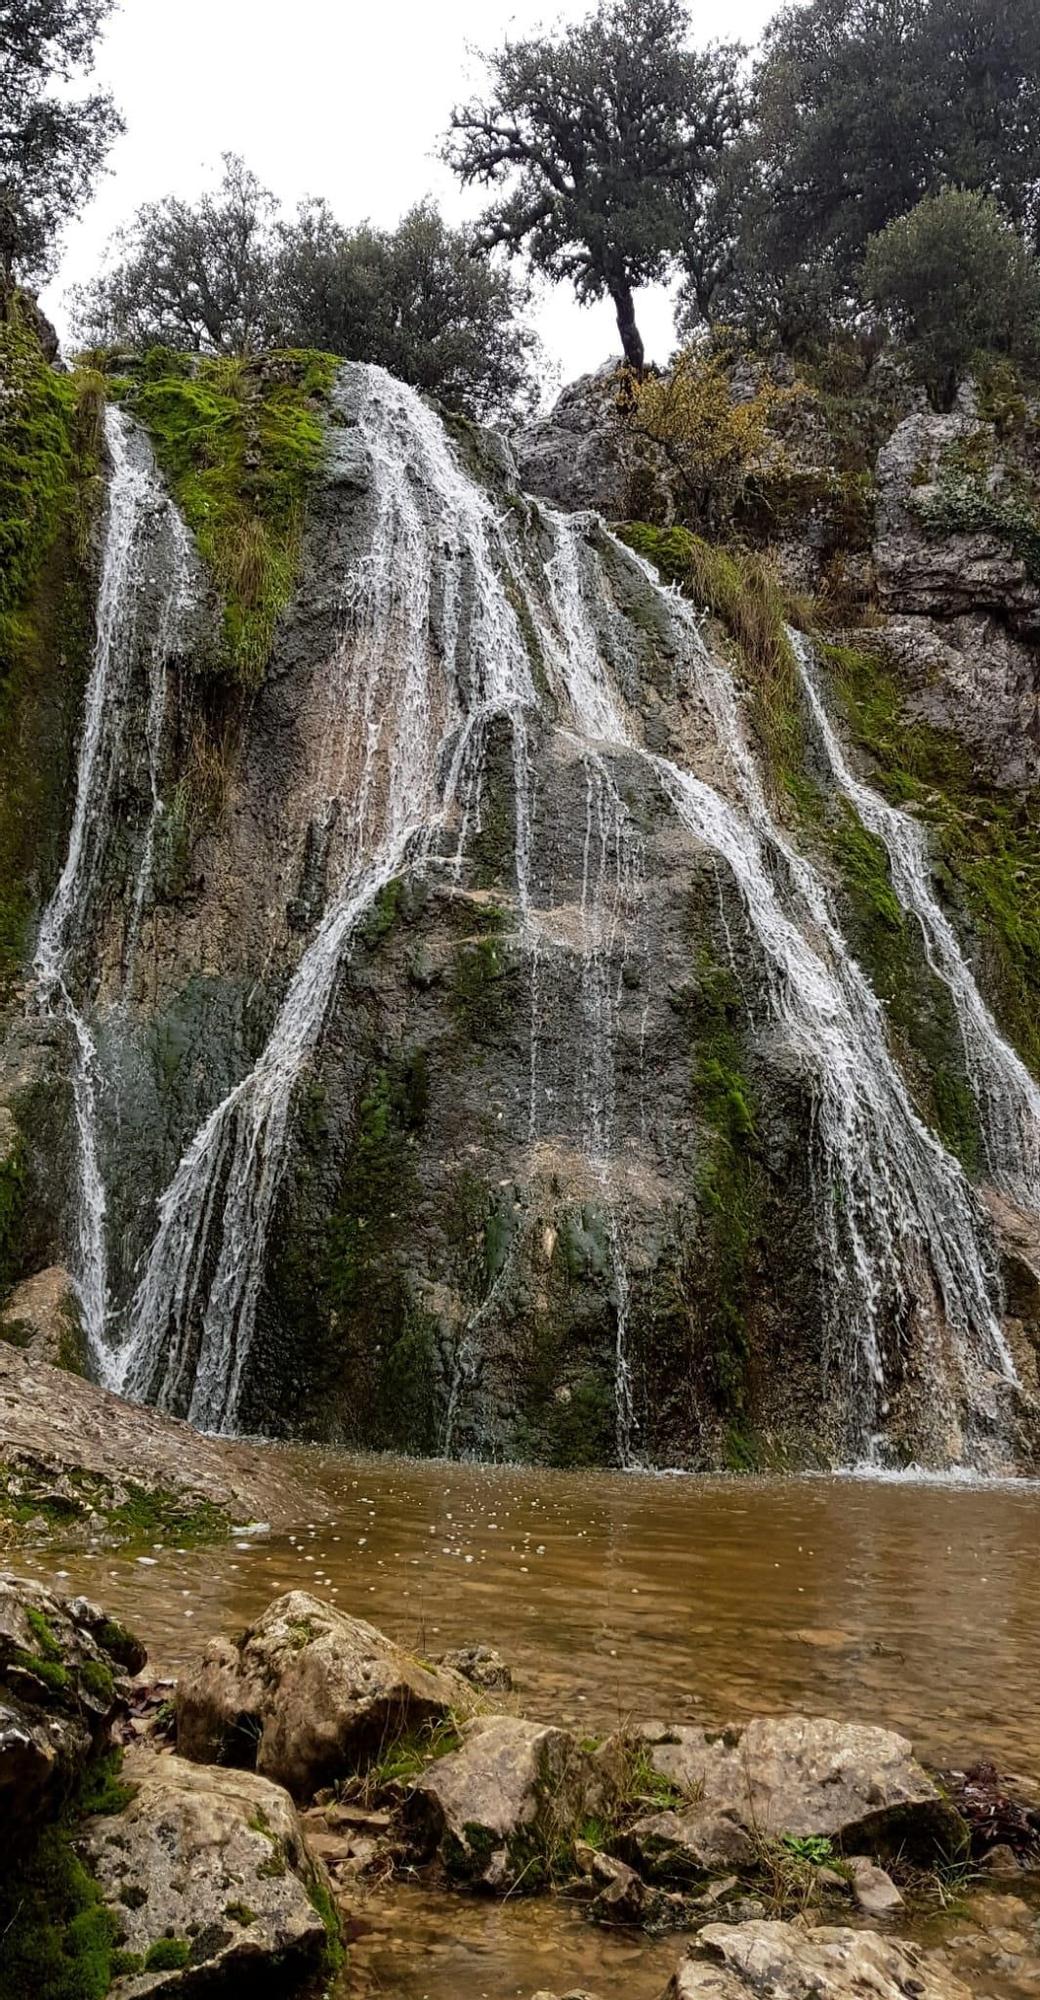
740 588
98 1680
240 1913
964 503
57 1941
987 839
168 1954
921 1014
12 1203
49 461
102 1791
241 442
729 1182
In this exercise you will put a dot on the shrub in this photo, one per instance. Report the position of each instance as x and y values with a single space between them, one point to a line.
955 281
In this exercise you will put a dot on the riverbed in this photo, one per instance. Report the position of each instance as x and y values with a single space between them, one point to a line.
915 1604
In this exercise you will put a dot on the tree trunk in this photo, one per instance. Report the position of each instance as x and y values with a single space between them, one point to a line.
631 340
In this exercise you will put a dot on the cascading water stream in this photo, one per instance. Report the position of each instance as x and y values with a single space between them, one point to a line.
1007 1096
138 517
432 652
406 717
893 1204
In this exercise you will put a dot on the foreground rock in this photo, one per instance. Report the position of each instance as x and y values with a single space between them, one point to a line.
76 1460
309 1695
62 1668
500 1808
789 1962
42 1316
209 1879
854 1784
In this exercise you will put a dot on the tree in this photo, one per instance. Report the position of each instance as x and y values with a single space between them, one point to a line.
863 107
418 299
955 280
196 277
52 147
603 140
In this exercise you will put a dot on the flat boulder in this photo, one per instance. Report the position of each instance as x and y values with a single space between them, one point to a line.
63 1669
308 1695
798 1962
210 1881
852 1783
501 1809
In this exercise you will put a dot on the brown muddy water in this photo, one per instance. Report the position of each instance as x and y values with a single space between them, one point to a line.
912 1604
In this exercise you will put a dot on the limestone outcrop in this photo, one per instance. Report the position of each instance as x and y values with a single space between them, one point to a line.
308 1695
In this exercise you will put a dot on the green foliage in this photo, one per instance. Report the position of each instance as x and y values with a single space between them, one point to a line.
241 443
954 280
53 141
962 503
48 486
418 299
814 1847
228 274
602 139
859 112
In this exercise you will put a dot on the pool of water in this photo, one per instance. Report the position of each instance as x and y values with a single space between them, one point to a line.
912 1604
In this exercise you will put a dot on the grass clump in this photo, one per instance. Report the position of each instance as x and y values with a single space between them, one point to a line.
240 440
742 590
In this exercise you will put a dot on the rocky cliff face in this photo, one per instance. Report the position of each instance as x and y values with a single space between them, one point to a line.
493 1046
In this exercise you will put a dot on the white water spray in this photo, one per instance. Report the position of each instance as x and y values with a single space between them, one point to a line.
138 517
1008 1099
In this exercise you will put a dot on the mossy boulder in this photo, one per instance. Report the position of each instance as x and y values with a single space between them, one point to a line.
208 1878
309 1695
62 1684
504 1810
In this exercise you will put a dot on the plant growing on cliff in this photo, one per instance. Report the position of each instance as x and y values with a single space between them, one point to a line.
52 144
714 439
602 140
954 280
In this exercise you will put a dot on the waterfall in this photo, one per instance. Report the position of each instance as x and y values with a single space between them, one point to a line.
431 651
1008 1099
892 1204
138 518
442 619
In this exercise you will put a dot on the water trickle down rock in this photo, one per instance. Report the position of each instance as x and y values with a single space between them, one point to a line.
459 619
144 539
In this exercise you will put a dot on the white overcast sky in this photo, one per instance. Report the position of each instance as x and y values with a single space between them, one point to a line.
328 97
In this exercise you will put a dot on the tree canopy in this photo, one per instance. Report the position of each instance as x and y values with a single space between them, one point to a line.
955 280
52 147
229 274
861 108
602 139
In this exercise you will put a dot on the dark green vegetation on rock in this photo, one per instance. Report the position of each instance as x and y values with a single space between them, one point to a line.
989 839
50 458
128 1512
240 441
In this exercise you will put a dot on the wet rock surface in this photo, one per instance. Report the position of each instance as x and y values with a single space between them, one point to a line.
73 1458
63 1669
797 1775
209 1878
787 1961
308 1694
498 1808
